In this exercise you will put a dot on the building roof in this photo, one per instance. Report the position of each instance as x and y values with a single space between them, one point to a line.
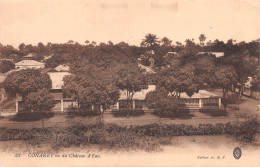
57 79
29 63
47 57
137 95
200 94
217 54
171 53
62 68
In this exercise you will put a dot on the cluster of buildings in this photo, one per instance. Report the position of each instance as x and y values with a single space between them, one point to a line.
199 101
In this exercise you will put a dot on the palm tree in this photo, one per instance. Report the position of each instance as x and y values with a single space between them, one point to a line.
150 41
202 38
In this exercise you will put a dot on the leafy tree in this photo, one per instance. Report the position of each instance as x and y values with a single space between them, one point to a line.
256 83
40 101
225 77
204 67
189 52
145 61
70 42
26 81
88 91
202 38
131 79
244 64
177 81
6 66
166 41
54 61
21 46
161 103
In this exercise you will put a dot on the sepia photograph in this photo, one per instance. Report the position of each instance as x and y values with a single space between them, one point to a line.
146 83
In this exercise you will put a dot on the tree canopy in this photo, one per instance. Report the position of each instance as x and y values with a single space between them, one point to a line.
26 81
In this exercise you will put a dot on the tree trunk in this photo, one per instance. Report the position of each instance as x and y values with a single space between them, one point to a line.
42 119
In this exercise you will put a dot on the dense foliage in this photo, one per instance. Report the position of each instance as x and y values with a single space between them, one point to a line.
109 136
6 66
26 81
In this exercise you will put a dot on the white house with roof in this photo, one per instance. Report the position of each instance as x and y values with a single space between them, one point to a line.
217 54
199 101
62 104
27 64
138 100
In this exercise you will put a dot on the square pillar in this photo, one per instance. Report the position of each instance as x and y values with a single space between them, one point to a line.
219 102
133 104
200 103
92 107
117 105
61 106
16 106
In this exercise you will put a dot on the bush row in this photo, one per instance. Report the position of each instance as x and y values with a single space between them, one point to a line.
146 137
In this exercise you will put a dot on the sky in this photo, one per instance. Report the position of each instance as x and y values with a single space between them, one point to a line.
57 21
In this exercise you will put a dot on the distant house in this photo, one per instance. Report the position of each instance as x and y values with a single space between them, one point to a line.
29 57
62 104
199 101
138 101
62 68
217 54
26 64
171 53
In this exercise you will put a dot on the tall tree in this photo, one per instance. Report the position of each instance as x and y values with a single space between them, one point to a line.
131 79
177 81
225 77
202 38
91 91
26 81
166 41
40 101
6 66
150 41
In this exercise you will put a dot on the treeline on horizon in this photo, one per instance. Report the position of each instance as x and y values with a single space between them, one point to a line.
161 46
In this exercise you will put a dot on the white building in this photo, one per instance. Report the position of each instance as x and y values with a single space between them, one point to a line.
27 64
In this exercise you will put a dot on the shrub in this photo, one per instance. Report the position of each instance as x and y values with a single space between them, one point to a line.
6 66
111 136
162 105
145 62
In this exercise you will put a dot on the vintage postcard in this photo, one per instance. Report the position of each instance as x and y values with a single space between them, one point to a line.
86 83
